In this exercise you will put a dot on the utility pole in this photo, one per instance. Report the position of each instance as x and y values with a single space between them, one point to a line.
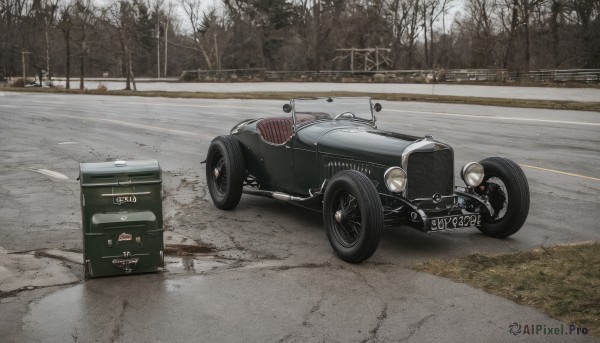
23 62
166 34
157 44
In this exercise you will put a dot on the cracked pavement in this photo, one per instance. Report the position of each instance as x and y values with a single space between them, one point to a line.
265 271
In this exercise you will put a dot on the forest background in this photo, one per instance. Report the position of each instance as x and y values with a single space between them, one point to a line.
158 38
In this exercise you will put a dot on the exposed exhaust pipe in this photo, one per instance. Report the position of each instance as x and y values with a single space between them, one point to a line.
276 195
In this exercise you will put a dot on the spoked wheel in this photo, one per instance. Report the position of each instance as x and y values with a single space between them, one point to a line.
507 190
348 219
353 216
225 172
497 194
220 174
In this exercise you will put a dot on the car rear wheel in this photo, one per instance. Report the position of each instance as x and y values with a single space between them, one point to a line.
507 190
225 172
353 216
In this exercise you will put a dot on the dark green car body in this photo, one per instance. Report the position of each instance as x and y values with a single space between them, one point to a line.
328 155
309 157
318 148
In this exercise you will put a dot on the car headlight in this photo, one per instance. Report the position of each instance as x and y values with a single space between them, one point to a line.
395 179
472 174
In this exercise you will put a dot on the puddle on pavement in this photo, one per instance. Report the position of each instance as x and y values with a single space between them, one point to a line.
195 258
191 264
187 250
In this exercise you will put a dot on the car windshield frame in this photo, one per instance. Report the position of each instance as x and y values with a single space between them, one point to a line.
361 107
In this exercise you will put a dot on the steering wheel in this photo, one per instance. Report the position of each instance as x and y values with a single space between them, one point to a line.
352 115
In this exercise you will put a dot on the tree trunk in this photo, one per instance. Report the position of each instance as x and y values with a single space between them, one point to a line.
426 45
166 45
48 54
81 65
157 45
131 73
556 8
508 56
527 43
128 66
68 62
410 54
431 56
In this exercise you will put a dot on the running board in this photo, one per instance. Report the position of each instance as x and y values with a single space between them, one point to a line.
314 202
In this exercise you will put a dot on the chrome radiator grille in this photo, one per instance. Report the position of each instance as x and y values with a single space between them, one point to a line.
429 173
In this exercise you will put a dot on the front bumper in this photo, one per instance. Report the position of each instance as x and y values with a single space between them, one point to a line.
462 209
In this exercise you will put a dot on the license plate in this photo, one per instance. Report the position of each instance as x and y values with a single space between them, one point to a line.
454 222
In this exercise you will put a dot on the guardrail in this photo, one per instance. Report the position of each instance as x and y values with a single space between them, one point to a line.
536 76
396 76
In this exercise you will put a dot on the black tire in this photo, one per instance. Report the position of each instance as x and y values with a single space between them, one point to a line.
225 186
356 235
506 186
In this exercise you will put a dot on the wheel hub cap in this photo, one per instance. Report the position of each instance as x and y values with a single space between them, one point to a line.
339 216
216 172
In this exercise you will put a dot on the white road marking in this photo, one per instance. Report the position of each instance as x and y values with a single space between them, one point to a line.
124 123
50 173
141 126
194 105
500 118
67 143
49 102
560 172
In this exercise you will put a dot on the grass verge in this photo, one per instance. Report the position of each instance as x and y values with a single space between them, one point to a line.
544 104
561 281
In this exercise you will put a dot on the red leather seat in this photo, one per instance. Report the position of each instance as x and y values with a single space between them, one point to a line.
275 130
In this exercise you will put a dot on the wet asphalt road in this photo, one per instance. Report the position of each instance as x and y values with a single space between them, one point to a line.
272 275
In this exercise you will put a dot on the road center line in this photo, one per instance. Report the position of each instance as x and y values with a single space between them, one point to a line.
49 102
500 118
560 172
160 129
124 123
196 105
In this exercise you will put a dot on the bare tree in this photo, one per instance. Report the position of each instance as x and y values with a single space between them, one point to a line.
414 28
65 24
50 8
585 15
432 9
482 31
120 15
84 16
193 11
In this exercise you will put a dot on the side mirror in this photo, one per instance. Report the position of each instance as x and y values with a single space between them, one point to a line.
377 107
287 108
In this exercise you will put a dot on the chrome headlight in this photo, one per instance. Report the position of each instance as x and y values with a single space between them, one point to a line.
395 179
472 174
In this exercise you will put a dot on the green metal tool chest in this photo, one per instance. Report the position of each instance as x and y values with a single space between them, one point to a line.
122 221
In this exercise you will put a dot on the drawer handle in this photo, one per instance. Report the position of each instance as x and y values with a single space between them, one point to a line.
125 194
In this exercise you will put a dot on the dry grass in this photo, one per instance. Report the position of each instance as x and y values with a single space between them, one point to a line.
18 83
102 88
562 281
546 104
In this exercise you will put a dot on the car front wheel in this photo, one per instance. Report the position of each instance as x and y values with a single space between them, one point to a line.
507 190
353 216
225 172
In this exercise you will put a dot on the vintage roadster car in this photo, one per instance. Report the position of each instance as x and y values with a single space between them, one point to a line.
328 155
